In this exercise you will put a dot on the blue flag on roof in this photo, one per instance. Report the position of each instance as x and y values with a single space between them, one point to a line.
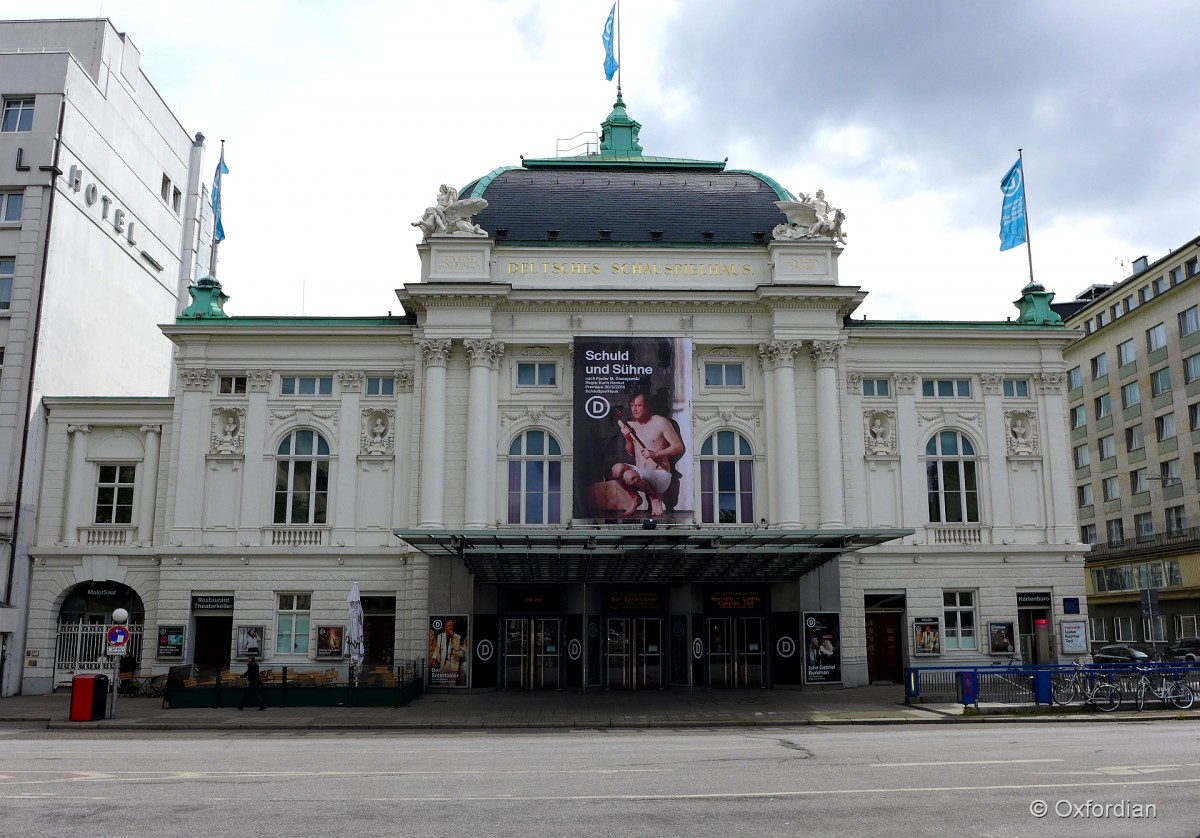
222 169
610 59
1012 214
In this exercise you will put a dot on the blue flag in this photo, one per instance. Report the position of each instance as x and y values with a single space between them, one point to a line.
610 60
222 169
1012 214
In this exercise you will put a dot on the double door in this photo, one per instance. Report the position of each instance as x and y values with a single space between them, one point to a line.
532 660
635 653
736 652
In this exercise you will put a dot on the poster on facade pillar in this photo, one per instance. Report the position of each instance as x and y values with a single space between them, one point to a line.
823 647
633 420
449 651
927 636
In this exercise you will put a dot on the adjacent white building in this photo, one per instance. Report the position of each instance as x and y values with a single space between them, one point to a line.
841 498
99 208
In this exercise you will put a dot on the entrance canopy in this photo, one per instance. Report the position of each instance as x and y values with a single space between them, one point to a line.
629 554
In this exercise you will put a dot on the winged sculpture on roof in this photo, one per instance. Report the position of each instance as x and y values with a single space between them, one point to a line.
451 215
810 217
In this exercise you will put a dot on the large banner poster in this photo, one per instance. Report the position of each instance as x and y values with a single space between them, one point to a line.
633 421
449 651
823 649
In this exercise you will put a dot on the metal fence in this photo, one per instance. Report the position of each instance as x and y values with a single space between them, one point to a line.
83 647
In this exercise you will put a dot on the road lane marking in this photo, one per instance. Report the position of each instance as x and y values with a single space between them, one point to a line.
959 762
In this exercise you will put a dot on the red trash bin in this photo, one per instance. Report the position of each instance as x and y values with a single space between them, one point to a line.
89 697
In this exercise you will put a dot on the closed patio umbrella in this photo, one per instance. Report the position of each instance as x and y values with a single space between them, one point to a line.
354 630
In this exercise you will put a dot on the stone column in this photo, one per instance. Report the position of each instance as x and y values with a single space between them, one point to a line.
830 476
1059 465
78 482
436 354
998 501
914 491
479 410
494 426
779 358
148 484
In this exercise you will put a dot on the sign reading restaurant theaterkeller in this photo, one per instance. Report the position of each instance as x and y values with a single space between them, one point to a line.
633 420
823 647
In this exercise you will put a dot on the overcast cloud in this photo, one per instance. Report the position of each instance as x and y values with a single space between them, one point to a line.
343 118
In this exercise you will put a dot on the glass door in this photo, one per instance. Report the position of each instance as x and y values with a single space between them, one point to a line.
516 654
750 651
620 660
648 653
720 652
532 655
547 656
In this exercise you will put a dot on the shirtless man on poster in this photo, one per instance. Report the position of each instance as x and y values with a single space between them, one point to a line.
652 441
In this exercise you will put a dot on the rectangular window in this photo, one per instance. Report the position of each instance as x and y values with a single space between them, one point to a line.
1156 338
1078 417
1164 426
1138 482
1192 266
1155 629
1102 319
541 374
1145 294
7 270
1099 366
1143 525
231 385
18 115
877 387
1087 534
1160 285
1176 520
1126 353
1103 406
306 385
1194 417
291 624
1016 388
1134 438
946 388
381 385
1123 629
1082 457
959 610
165 189
1099 627
1107 445
1111 488
1170 472
1189 321
10 206
1191 368
1160 381
1074 378
176 200
114 494
1131 394
1084 494
1115 530
1186 625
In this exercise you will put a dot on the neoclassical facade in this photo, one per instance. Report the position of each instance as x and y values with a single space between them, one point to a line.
627 434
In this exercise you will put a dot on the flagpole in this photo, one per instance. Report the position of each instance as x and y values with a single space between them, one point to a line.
212 257
618 28
1025 193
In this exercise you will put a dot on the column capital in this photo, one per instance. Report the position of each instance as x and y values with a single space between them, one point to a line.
150 429
351 380
79 429
906 382
778 353
1050 382
825 353
405 379
435 353
482 352
196 379
259 379
991 382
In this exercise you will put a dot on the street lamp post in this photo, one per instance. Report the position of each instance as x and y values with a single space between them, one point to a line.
119 617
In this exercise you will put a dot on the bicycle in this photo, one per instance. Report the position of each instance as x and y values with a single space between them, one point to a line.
1082 682
1167 690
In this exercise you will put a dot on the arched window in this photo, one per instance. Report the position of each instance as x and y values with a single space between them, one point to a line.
953 483
726 479
302 479
534 479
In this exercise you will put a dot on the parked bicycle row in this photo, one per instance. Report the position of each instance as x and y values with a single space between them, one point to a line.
1107 686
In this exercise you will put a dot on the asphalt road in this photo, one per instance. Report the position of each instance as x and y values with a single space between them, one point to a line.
1130 779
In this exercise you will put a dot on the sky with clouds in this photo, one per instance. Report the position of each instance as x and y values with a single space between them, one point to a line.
341 119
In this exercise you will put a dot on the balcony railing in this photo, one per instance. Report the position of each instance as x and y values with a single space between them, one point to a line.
1177 539
297 536
956 535
106 536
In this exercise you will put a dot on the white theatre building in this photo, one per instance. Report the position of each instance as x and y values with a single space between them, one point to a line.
99 231
627 434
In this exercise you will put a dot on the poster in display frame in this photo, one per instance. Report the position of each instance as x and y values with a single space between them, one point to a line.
449 651
170 642
927 636
822 647
330 641
250 641
633 449
1073 634
1001 640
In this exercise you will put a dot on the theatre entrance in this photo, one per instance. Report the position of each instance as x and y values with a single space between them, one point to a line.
736 649
532 657
635 653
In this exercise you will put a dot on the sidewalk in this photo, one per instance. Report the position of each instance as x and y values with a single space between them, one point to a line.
513 710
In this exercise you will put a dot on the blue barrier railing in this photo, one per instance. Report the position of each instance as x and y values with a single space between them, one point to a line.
1024 684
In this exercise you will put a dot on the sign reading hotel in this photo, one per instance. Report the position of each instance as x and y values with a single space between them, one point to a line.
633 420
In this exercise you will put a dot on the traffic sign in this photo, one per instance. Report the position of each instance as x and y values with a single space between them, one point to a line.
118 638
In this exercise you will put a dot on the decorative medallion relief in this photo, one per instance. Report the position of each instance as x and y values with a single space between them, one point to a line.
1021 432
535 417
727 416
228 430
378 432
950 418
302 415
879 433
724 352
